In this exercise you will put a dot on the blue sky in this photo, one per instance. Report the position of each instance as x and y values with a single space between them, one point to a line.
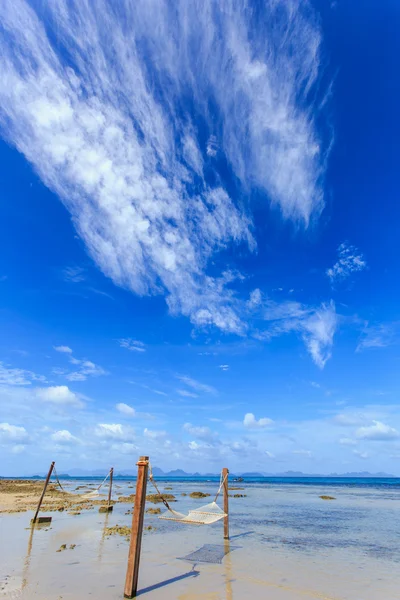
199 235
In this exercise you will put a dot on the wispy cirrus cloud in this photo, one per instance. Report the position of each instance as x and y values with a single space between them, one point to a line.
132 345
376 336
350 260
84 368
74 274
196 385
125 409
15 376
108 131
316 325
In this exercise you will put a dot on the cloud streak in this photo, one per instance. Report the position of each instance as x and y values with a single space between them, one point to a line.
316 325
350 260
106 104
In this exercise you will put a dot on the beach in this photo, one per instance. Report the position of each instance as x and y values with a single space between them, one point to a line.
286 543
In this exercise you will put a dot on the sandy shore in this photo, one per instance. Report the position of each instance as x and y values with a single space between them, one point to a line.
22 495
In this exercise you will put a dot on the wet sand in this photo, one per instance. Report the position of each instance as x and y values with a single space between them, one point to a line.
258 561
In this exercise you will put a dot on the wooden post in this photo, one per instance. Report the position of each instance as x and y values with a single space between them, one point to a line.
43 493
225 474
110 489
132 572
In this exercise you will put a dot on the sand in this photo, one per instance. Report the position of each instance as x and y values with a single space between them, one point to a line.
23 495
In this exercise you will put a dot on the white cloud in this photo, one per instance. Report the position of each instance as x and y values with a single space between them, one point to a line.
63 437
361 454
133 345
10 376
117 152
125 409
200 433
59 395
251 422
154 435
125 448
224 367
376 336
18 449
307 453
12 433
114 431
377 432
350 260
87 368
315 325
64 349
196 385
350 419
269 454
74 274
255 299
347 442
186 394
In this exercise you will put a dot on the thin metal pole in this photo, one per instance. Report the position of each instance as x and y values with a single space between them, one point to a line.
132 572
225 474
44 491
109 491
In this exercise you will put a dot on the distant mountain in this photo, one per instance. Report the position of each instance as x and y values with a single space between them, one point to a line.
177 473
251 474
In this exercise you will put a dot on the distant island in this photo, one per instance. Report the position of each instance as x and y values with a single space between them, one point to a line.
72 473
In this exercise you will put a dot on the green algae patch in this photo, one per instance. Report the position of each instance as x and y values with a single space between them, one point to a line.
155 498
153 511
199 495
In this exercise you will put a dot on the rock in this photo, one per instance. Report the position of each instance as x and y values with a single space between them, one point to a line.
155 498
62 547
327 498
153 511
199 495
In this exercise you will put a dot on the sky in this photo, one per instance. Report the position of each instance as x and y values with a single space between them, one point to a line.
199 248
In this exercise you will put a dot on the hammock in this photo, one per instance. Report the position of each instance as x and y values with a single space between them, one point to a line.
204 515
95 493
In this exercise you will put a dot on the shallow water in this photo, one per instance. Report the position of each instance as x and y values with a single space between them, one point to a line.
286 543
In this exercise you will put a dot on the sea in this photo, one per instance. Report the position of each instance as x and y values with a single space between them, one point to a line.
286 542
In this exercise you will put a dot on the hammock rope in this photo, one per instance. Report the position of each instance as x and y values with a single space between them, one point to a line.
57 480
204 515
97 490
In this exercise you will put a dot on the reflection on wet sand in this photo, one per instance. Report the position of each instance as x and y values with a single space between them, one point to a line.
27 559
103 537
228 570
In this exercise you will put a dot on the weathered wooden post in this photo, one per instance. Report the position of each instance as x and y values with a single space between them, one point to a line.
110 489
42 496
132 572
225 473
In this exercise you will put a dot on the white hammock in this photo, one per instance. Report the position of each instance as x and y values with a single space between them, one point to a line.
204 515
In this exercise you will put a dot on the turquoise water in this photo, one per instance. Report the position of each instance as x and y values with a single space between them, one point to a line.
288 514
